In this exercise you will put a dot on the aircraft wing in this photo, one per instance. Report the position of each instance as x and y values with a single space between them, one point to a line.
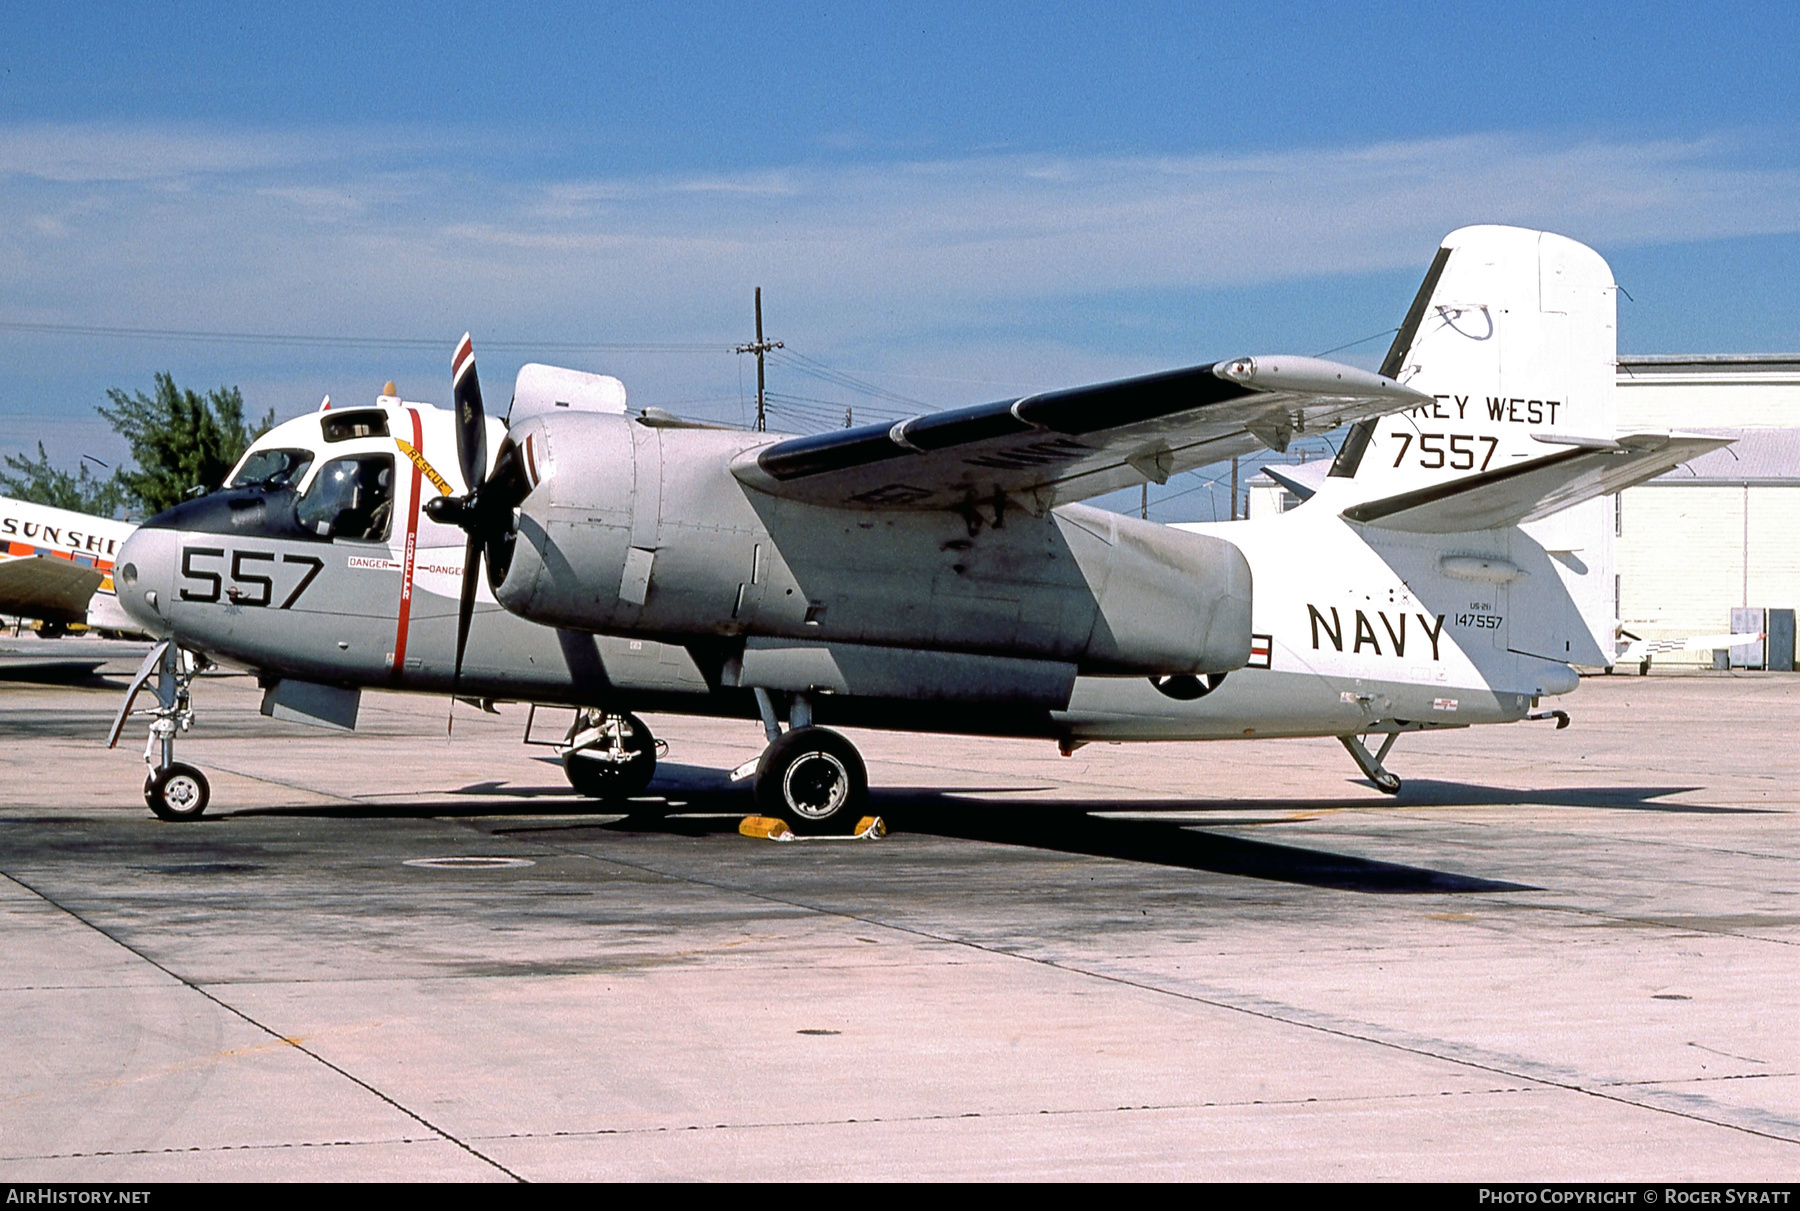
1062 446
1537 487
43 586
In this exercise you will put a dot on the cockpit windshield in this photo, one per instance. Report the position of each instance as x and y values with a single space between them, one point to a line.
272 469
350 498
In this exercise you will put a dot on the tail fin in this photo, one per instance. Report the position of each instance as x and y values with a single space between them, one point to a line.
1514 334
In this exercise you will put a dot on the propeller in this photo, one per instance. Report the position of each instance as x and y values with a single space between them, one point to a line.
484 511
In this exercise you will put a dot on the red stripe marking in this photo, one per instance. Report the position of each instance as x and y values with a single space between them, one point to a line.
412 547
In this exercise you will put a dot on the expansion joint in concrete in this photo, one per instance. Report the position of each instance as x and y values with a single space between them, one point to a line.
286 1040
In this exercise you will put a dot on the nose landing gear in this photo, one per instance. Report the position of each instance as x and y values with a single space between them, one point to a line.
174 790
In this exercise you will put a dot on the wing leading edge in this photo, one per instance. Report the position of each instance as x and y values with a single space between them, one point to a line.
1060 446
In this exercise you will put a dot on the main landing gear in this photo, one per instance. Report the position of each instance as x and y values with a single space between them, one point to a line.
812 777
1370 765
174 790
609 757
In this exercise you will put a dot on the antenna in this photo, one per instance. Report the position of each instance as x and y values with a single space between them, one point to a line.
759 347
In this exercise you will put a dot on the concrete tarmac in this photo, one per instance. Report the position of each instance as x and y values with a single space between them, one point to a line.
1556 956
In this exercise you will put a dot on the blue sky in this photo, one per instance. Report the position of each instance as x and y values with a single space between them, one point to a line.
952 203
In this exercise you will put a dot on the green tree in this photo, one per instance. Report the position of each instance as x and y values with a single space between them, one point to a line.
179 439
37 481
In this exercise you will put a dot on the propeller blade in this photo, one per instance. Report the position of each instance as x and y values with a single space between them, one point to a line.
471 419
466 611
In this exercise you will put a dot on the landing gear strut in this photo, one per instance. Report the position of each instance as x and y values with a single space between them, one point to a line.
1370 765
174 790
608 756
810 776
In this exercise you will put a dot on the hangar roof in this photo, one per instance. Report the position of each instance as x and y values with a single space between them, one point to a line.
1677 362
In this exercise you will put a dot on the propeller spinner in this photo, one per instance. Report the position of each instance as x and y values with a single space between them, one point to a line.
485 511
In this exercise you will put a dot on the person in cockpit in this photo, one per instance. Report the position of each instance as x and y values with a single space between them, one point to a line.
351 498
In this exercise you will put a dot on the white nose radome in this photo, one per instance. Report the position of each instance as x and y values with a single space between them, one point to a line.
144 576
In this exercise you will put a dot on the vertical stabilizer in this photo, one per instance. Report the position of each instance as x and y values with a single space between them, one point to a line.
1514 335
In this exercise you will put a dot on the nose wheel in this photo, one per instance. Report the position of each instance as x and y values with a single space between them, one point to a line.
177 792
174 790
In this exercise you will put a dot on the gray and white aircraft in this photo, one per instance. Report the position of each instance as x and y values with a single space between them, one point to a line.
939 574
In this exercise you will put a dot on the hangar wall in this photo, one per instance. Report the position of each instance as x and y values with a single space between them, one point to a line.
1720 531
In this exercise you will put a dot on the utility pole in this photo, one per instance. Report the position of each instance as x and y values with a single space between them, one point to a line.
760 347
1233 491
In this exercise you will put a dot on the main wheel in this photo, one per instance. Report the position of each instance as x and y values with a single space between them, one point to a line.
598 778
177 792
814 779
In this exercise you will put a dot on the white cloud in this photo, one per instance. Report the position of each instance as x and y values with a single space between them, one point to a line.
401 233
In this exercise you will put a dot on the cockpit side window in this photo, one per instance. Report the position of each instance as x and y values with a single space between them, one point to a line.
350 498
273 469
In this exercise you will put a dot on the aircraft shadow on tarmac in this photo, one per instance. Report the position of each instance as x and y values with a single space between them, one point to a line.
693 801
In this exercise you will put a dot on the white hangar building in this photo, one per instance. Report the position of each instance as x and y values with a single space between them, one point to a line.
1715 534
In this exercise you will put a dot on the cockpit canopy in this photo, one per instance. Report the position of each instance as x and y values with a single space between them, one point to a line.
328 491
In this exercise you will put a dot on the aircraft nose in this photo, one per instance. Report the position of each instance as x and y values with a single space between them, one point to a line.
144 576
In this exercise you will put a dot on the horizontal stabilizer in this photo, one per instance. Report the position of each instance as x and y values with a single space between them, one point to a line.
1302 481
1533 488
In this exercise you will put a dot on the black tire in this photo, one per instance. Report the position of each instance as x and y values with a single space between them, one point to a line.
614 781
177 793
814 779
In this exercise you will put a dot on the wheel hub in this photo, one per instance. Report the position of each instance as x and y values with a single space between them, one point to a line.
181 792
816 785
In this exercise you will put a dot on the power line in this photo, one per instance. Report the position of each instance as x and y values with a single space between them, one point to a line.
875 412
1373 336
295 339
816 369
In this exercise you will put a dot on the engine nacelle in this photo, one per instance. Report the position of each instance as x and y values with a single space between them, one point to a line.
640 530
